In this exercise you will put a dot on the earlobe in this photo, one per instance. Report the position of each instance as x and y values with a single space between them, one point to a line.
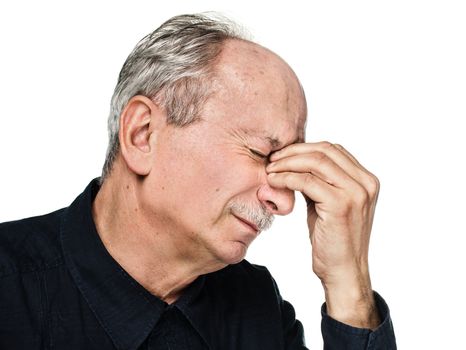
136 133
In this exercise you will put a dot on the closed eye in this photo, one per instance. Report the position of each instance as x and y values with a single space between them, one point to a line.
258 154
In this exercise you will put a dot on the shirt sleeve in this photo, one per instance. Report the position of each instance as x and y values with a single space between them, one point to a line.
339 336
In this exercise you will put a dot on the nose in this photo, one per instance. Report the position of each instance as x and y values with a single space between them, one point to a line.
277 201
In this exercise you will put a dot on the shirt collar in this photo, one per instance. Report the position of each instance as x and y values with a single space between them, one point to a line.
126 310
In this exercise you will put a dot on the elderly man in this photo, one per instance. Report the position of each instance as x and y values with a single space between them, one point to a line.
206 146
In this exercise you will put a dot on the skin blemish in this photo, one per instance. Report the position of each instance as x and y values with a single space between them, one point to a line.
217 189
127 187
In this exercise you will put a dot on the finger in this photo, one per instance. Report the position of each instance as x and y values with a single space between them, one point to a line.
335 152
368 180
308 184
344 160
297 148
317 163
350 156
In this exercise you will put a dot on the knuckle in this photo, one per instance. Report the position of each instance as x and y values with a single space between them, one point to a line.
308 179
289 178
319 157
373 185
349 203
327 144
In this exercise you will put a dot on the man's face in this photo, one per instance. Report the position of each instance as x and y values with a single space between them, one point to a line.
209 185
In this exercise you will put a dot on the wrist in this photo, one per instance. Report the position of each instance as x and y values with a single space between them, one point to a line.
350 300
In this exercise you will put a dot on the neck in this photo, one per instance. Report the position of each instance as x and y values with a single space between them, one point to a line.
155 255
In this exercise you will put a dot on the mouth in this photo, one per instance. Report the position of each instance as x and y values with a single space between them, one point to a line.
248 223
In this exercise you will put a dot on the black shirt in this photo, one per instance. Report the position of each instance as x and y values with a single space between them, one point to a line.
61 289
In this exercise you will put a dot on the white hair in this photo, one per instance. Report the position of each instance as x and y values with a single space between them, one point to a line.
173 66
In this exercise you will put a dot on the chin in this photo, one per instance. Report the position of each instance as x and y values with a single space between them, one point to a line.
232 253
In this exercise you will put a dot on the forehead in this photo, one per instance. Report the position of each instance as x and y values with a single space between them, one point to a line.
257 93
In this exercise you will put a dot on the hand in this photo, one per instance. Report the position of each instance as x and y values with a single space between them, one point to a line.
341 196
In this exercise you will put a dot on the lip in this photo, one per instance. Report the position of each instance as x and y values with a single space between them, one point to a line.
250 224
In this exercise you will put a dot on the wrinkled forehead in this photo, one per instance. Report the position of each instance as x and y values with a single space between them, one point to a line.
262 93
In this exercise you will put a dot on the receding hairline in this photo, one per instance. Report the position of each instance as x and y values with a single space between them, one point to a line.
223 59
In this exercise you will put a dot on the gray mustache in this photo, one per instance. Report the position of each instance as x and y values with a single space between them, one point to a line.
257 215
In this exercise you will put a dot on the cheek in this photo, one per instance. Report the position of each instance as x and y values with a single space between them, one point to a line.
214 181
200 181
196 182
215 178
229 174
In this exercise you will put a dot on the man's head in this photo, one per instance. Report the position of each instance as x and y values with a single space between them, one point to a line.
174 66
195 115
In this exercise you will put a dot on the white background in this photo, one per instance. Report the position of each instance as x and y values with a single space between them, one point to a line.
385 79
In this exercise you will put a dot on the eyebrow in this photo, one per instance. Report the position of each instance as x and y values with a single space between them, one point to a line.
273 141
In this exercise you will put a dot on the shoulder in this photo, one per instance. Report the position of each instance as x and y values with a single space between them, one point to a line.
30 244
245 295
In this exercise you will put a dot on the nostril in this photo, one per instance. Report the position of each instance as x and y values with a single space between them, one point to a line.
272 204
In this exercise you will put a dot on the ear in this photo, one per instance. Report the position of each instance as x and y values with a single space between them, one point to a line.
139 123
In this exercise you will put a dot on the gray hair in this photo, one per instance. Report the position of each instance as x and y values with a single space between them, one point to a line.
173 66
259 216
